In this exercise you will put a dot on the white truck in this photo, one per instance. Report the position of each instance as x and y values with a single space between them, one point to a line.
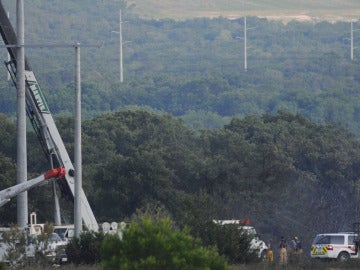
256 244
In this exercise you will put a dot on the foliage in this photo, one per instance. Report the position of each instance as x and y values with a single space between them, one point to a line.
274 143
157 245
300 67
136 161
15 242
3 266
7 179
85 249
145 159
7 137
141 163
23 248
231 241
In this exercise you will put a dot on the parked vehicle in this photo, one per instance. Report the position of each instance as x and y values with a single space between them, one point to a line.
66 232
340 246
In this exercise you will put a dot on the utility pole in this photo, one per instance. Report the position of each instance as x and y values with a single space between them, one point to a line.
8 54
121 43
77 147
245 45
352 47
21 159
121 50
244 37
351 41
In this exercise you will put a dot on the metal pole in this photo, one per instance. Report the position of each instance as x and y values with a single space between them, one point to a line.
57 216
8 54
245 45
21 170
351 41
121 51
77 147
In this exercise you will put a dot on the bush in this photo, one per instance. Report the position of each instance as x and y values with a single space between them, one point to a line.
15 241
86 249
157 245
231 241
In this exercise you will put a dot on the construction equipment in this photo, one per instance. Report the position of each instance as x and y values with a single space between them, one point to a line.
7 194
43 122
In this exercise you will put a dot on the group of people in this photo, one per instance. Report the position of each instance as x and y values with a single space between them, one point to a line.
287 250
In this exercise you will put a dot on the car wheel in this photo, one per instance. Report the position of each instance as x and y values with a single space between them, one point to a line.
343 256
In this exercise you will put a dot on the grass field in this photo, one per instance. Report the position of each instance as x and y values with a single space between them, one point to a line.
314 265
331 10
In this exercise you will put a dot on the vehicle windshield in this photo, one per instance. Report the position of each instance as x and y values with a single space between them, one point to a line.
61 232
54 237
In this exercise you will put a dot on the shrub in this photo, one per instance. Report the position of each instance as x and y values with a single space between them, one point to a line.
231 240
15 241
85 249
157 245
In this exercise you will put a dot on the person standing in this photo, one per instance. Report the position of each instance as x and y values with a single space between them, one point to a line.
292 250
298 246
292 245
283 252
269 253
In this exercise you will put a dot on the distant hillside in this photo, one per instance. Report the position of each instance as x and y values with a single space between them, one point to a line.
282 9
193 68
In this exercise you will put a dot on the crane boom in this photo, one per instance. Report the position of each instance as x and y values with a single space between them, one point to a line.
43 122
7 194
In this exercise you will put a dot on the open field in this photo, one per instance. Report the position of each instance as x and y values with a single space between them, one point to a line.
314 265
304 10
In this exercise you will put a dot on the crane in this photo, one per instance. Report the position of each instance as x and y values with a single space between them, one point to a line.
43 123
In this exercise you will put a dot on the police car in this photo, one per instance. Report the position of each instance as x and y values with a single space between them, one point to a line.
340 246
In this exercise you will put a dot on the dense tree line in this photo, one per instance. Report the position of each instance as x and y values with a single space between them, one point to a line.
194 68
287 174
265 143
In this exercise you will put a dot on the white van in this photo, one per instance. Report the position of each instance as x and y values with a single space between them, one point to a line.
340 246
